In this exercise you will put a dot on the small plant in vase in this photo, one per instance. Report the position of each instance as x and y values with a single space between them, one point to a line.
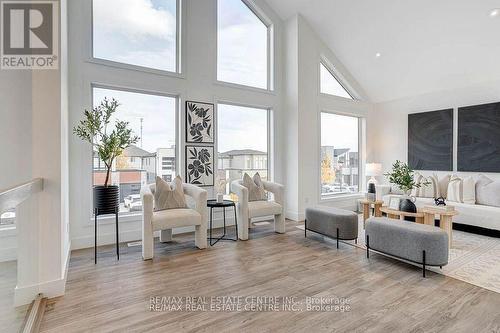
108 142
403 176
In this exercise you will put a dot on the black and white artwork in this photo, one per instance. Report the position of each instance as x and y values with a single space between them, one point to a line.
199 165
430 140
199 122
479 138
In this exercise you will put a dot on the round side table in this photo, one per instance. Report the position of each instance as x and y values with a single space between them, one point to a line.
212 203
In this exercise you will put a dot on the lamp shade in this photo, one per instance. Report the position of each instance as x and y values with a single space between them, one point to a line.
373 169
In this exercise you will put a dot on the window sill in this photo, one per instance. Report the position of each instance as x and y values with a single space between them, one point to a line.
7 231
341 197
110 219
130 67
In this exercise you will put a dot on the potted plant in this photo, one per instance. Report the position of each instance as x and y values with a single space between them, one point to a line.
402 176
108 142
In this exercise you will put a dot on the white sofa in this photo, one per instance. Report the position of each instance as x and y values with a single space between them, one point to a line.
246 210
165 220
475 215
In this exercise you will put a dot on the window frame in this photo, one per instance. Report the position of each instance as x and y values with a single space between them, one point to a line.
332 196
270 141
177 109
345 86
179 45
270 49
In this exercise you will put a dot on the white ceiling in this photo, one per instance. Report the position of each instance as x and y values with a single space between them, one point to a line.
426 45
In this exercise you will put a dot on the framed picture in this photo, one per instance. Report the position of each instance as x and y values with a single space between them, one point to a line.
199 122
394 203
430 140
479 138
200 165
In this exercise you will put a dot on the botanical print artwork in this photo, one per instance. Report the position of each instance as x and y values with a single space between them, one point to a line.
199 122
199 165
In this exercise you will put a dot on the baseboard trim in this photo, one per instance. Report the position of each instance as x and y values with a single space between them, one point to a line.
50 289
295 216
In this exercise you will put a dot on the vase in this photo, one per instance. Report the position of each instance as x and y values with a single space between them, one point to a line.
407 204
220 198
106 199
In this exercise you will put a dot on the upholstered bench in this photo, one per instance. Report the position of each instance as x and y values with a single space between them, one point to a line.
419 243
332 222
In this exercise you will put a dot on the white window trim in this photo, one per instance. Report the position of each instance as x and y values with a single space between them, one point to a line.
127 216
179 63
270 141
270 49
337 76
341 196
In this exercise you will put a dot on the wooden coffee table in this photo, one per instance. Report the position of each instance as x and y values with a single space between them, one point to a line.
377 204
400 215
426 216
445 220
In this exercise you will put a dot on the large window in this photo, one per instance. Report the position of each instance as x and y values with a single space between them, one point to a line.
242 142
339 154
136 32
330 85
242 45
152 118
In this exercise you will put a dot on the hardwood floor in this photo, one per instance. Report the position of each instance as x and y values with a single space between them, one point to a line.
385 295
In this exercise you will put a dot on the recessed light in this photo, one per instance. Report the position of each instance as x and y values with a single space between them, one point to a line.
378 55
495 12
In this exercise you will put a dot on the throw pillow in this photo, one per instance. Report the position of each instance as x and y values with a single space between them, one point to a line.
416 191
455 189
469 191
462 190
169 196
487 191
430 190
443 185
255 187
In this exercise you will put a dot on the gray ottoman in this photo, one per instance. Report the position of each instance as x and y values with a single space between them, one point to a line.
418 243
332 222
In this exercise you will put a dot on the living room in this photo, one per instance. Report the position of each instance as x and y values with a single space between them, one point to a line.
250 165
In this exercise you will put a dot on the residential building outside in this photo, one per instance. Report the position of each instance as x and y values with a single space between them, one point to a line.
339 170
136 167
233 164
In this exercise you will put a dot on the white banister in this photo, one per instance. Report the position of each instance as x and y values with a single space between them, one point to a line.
12 197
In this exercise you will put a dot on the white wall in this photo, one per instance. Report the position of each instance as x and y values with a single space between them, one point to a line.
33 143
388 137
304 103
197 82
15 142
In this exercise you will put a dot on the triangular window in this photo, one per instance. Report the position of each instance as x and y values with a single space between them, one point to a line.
330 85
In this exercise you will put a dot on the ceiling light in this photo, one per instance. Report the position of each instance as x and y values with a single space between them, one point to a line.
495 12
378 55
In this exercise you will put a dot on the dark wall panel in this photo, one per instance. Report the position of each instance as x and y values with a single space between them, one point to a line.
479 138
430 140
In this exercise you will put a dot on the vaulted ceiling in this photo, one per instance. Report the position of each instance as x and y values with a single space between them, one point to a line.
425 45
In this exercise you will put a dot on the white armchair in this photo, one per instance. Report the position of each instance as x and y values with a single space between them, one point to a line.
246 210
165 220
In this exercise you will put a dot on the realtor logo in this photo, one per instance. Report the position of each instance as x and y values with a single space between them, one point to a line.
29 34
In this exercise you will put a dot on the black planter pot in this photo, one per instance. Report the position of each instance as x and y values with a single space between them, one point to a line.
406 205
106 199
